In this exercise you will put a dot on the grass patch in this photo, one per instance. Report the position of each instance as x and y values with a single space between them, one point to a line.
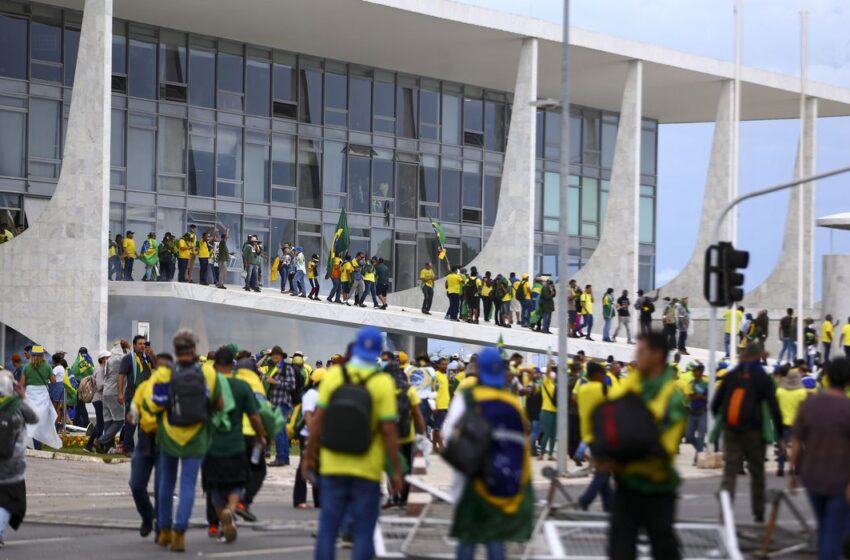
83 453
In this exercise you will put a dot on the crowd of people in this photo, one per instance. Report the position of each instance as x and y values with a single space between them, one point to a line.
363 416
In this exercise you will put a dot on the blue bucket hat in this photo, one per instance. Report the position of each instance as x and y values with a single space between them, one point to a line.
491 368
368 344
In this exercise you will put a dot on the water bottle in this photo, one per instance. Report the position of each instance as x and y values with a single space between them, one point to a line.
257 454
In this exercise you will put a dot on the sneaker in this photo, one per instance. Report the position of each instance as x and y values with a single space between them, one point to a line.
213 532
277 463
228 525
245 513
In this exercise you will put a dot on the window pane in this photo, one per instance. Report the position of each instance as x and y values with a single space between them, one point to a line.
647 220
72 47
575 199
360 117
407 176
384 106
473 118
405 266
551 201
283 231
172 57
451 118
382 175
257 173
259 82
429 186
358 184
311 95
309 181
230 81
470 247
647 152
491 198
589 200
202 161
283 160
46 41
450 195
117 138
119 49
407 109
429 108
494 126
172 145
472 184
336 98
552 140
609 140
575 139
142 67
13 48
202 67
141 158
284 82
44 128
590 138
170 219
538 141
12 142
229 151
382 246
334 167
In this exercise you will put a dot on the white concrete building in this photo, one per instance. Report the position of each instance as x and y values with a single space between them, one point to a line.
270 117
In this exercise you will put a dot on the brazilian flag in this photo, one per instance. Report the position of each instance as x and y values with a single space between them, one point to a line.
83 366
441 239
340 242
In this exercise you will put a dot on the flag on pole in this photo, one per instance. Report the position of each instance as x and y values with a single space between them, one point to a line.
441 239
340 242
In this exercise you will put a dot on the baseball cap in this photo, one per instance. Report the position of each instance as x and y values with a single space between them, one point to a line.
403 357
491 368
368 344
104 354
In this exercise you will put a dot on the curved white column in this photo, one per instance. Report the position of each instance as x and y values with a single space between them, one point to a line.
53 286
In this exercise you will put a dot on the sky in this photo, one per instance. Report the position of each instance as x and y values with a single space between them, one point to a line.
770 40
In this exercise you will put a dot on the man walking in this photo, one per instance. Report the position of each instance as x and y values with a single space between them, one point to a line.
283 386
624 317
587 310
135 369
683 323
607 314
787 336
668 319
426 279
285 257
251 263
739 402
454 287
129 255
646 306
222 257
113 399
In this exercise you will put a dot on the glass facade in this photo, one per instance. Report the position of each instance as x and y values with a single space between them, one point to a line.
209 131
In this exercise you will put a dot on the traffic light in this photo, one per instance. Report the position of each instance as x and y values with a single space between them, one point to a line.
723 284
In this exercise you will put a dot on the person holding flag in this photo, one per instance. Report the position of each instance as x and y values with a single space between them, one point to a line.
339 244
82 367
150 256
441 240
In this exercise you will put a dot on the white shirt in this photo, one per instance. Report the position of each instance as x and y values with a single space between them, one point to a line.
59 373
456 410
308 404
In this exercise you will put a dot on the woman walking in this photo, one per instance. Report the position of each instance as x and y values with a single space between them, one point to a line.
97 399
36 377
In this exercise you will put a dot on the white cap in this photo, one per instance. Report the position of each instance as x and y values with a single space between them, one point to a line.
104 354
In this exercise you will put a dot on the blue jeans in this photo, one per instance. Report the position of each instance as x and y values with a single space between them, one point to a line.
606 328
361 500
587 324
535 434
727 340
781 458
495 551
546 319
5 516
167 467
141 467
336 289
454 305
128 269
300 283
284 276
789 345
833 516
525 314
114 268
369 290
581 450
251 280
150 272
599 484
696 430
281 440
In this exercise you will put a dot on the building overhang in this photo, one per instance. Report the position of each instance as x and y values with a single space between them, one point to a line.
478 46
835 221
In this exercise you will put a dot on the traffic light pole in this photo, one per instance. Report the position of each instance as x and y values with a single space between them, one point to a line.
715 238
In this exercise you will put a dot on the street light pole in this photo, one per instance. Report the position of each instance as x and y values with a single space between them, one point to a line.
564 251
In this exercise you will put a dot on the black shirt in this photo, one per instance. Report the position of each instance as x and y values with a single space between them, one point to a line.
623 305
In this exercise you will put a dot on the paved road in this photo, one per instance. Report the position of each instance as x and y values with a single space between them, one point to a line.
84 511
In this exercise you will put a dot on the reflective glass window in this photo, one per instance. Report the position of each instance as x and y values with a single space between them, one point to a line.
552 139
429 180
382 174
407 176
229 153
472 184
384 103
492 184
646 232
142 75
358 183
590 138
405 266
407 103
46 46
574 202
118 127
336 98
470 247
72 47
172 57
360 103
44 128
13 47
541 125
309 179
201 159
334 167
285 78
256 172
450 177
473 116
494 126
609 140
172 154
647 148
575 138
429 112
259 85
12 143
170 219
119 48
451 117
202 69
589 205
311 95
283 160
230 77
551 201
141 153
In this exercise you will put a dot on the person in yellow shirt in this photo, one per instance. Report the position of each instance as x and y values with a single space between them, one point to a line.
486 296
350 481
827 333
345 275
426 280
591 395
193 246
184 255
548 415
204 259
845 338
454 287
587 311
442 399
727 332
129 255
790 395
313 276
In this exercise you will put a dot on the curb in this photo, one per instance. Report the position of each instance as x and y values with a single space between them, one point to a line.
59 456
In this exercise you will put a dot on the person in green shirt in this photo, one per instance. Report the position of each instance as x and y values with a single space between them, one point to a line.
223 471
382 281
607 314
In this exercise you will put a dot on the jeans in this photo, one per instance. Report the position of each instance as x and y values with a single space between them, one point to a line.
166 271
683 339
495 551
299 491
167 467
587 324
182 267
789 345
98 426
487 303
749 446
833 517
251 281
221 275
696 430
129 430
428 298
114 268
727 340
128 269
284 277
783 457
655 513
670 332
827 348
141 466
454 306
545 320
606 328
599 485
361 500
300 284
549 435
370 290
5 516
624 321
336 289
205 267
281 440
535 435
525 315
359 288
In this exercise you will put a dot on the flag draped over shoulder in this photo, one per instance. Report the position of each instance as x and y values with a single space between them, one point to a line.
441 239
150 253
83 366
340 242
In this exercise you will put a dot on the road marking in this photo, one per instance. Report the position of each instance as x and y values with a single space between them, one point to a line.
39 541
259 552
77 494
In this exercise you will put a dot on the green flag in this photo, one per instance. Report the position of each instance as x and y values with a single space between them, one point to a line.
82 367
441 239
340 242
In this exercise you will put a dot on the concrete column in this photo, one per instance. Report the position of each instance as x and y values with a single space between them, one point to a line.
835 278
689 280
779 290
510 246
64 305
616 256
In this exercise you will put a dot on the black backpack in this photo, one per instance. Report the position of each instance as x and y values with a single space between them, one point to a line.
300 385
471 287
347 426
520 290
624 430
469 445
188 403
9 432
